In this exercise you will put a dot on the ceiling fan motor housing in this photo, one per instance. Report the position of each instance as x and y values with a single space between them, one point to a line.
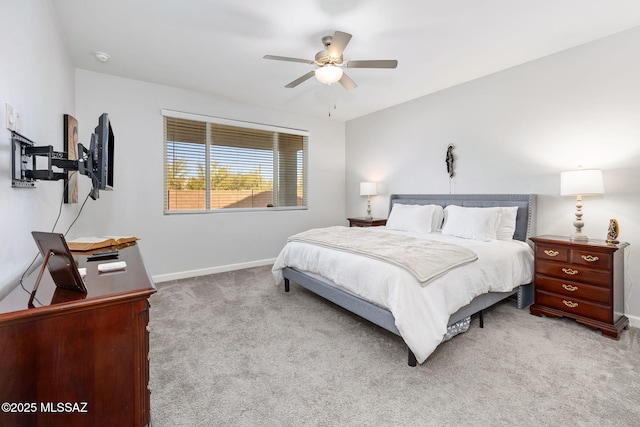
323 58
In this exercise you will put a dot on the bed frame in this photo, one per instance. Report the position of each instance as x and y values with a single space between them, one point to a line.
525 227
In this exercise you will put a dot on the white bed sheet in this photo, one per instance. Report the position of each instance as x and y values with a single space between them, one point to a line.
421 313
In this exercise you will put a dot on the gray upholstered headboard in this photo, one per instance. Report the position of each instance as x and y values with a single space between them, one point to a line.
526 203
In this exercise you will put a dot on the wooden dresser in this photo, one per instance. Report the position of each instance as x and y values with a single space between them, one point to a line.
366 222
581 280
78 359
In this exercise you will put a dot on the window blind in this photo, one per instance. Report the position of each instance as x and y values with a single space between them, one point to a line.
216 164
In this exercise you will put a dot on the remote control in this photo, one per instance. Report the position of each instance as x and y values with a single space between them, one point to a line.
112 266
102 255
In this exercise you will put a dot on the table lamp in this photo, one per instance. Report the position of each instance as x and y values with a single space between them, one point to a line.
581 182
368 189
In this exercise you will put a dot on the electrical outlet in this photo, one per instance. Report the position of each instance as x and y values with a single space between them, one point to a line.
9 117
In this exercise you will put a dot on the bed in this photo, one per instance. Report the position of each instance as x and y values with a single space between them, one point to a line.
437 310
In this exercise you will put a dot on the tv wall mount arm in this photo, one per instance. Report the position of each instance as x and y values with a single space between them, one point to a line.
23 163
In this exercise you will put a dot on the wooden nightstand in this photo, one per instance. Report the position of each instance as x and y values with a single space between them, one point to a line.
581 280
366 222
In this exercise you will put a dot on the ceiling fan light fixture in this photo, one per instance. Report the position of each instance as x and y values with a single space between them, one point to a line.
328 74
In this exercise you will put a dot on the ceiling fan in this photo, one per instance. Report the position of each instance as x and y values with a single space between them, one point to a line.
330 63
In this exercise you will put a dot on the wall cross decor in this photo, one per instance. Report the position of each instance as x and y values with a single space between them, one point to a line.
449 160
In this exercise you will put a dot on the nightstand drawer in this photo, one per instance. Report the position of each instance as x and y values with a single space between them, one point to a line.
576 273
555 253
574 306
591 259
574 289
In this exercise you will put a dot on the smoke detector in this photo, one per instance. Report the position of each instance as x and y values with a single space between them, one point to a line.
102 57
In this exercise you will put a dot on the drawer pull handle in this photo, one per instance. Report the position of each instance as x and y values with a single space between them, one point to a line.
570 288
570 304
551 252
590 258
570 271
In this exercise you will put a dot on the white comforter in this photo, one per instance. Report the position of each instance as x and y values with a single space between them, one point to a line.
421 313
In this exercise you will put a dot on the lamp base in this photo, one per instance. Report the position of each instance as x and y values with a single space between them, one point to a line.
579 237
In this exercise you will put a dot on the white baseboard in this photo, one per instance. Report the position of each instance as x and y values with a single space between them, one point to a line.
211 270
634 321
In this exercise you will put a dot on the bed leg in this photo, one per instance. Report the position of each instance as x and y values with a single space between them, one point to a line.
286 285
481 319
412 358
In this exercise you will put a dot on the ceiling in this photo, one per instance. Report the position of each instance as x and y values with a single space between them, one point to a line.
217 46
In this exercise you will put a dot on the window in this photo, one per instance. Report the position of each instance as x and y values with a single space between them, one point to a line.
216 164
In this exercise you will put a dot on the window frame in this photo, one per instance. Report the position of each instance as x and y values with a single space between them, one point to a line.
239 124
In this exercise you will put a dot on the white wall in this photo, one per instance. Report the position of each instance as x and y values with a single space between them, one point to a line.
191 244
37 79
514 132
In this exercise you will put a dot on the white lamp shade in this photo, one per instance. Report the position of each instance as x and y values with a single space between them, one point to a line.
581 182
368 189
328 74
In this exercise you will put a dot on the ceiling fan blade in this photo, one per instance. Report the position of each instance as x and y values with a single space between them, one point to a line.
383 63
286 58
299 80
339 42
347 82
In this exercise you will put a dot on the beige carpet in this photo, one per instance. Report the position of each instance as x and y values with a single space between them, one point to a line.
232 349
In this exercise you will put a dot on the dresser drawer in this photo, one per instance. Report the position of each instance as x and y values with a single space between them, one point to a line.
555 253
574 306
590 259
576 273
573 289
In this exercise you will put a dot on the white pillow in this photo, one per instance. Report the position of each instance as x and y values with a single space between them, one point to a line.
414 218
507 222
471 223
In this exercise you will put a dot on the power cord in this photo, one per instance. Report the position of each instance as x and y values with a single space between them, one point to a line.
79 212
